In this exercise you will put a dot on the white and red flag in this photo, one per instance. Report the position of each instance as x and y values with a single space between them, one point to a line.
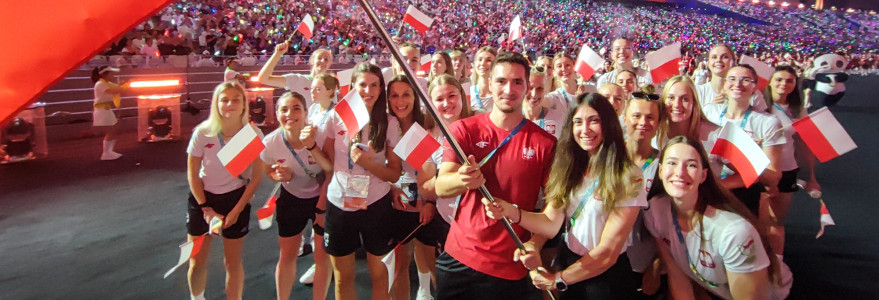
390 261
416 146
344 77
266 214
244 147
307 26
664 63
426 61
588 62
824 135
353 112
417 19
515 30
825 219
734 144
188 250
764 71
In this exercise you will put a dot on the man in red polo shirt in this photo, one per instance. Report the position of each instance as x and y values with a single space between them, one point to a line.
515 157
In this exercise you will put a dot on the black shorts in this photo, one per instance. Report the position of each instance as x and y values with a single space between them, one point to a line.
293 213
222 204
750 196
617 282
432 234
374 226
454 280
788 182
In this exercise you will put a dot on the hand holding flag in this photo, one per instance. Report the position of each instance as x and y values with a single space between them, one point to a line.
306 27
266 214
187 251
416 146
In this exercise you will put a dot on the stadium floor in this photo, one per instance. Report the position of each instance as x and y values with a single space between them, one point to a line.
73 227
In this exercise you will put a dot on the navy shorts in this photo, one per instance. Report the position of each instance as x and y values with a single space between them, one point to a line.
293 213
222 204
374 226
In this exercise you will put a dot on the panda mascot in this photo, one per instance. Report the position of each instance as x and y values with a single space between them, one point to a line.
160 124
258 111
18 140
826 81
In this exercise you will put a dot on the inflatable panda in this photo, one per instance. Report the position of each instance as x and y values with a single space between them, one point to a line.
160 124
18 139
258 111
826 81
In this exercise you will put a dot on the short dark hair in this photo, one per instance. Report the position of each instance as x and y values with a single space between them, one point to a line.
513 58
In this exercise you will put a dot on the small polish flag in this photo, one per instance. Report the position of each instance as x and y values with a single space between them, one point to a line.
188 250
353 112
825 219
426 62
587 62
416 146
344 77
266 214
515 29
307 26
736 145
390 261
417 19
764 71
824 135
665 62
244 147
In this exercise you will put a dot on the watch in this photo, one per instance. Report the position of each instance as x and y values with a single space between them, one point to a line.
560 283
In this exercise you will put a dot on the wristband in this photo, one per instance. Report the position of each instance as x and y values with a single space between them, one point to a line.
203 205
319 211
312 147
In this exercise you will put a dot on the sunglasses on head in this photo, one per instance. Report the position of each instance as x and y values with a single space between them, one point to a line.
642 95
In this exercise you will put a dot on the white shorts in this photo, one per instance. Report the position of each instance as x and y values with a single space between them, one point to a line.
103 117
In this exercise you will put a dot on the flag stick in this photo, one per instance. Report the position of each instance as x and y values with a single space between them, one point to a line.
422 93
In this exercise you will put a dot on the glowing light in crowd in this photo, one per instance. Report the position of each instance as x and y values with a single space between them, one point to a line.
260 89
155 83
785 4
755 1
157 97
771 3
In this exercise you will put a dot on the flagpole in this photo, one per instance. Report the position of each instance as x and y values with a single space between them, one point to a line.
429 108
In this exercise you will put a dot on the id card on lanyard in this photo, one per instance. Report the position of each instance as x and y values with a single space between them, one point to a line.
356 187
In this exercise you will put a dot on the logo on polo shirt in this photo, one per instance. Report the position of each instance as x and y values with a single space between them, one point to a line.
482 144
209 146
281 161
706 260
342 132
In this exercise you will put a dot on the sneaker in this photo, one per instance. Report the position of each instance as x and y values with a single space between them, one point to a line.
110 156
304 250
308 277
423 295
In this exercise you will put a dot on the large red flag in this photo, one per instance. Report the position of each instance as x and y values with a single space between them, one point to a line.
53 37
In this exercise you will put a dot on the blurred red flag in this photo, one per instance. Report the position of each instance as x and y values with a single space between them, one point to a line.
45 40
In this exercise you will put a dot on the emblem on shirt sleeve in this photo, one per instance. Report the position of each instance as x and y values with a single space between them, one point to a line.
747 250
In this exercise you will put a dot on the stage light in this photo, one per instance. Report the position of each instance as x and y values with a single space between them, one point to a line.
154 83
157 97
254 78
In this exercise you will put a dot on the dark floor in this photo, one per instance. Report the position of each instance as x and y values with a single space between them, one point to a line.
74 227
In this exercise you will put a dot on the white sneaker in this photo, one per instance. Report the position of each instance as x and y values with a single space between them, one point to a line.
423 295
308 277
110 156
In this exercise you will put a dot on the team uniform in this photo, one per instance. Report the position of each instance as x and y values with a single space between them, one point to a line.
298 200
731 244
301 84
222 190
480 104
589 218
759 126
552 119
706 96
446 208
561 99
229 76
788 161
359 202
642 77
478 261
103 114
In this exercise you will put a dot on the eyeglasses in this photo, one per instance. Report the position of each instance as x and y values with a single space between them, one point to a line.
642 95
742 80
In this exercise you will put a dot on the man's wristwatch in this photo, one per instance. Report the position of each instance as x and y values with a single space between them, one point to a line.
560 283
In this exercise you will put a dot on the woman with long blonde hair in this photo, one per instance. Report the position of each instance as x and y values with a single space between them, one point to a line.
480 96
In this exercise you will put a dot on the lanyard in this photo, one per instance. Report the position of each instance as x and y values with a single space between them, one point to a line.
326 114
504 142
649 160
565 94
301 164
674 218
223 144
778 107
542 117
478 98
744 119
583 201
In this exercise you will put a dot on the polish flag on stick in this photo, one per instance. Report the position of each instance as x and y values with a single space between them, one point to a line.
344 77
390 259
764 71
416 146
266 214
426 62
188 250
587 62
824 135
417 19
353 112
664 63
736 145
307 26
825 219
244 147
515 29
